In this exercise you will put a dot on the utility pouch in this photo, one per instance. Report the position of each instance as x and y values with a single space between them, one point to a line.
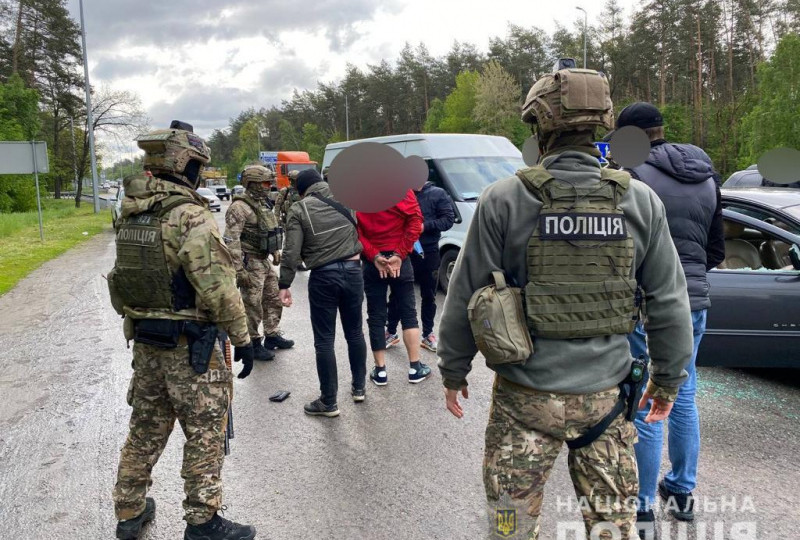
161 333
497 320
201 338
635 387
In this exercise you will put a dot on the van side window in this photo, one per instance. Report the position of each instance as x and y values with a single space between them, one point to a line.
433 175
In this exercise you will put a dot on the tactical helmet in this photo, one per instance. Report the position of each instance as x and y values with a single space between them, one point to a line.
170 150
569 99
293 177
256 174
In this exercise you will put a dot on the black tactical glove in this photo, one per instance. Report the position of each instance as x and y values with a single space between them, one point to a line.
244 355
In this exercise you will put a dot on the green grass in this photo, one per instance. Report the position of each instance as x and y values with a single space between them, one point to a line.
21 251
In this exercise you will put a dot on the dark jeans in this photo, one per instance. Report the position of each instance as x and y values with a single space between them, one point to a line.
402 288
426 273
341 288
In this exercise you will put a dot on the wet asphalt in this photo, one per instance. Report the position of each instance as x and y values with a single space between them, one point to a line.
398 466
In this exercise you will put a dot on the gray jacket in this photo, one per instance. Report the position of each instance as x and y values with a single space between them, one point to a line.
683 178
498 235
317 234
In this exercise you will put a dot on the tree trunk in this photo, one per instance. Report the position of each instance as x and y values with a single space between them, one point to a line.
17 40
700 126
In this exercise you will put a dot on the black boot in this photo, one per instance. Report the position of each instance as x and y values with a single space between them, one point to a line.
277 342
130 528
261 353
646 525
219 528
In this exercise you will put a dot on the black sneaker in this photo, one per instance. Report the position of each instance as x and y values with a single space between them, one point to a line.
219 528
646 525
680 505
260 353
359 394
419 374
277 342
317 408
131 528
378 376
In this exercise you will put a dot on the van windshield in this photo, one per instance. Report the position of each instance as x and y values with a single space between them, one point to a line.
299 167
470 175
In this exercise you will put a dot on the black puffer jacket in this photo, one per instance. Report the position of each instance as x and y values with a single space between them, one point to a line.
684 178
438 214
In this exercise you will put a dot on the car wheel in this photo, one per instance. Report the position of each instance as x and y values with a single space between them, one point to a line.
446 268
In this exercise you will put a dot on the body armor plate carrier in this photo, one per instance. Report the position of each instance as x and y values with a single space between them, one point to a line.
579 259
265 236
140 277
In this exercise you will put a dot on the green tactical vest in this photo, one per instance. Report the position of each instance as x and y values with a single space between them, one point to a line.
141 278
265 236
579 259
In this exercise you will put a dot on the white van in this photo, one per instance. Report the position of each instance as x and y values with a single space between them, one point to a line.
461 164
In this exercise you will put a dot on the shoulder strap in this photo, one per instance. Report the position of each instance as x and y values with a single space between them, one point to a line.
499 280
173 202
336 206
621 178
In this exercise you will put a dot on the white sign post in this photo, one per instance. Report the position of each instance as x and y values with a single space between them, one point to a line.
26 158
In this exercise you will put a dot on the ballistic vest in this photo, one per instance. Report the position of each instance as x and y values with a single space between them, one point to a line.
579 259
141 278
263 237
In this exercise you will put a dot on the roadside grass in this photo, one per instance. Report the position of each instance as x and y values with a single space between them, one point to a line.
21 251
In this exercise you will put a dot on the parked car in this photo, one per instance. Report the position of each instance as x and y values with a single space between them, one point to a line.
750 177
116 206
213 202
222 192
237 190
754 319
462 164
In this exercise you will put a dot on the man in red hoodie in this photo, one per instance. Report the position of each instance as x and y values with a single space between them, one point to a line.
388 238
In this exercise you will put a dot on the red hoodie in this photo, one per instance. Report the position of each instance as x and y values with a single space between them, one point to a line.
395 229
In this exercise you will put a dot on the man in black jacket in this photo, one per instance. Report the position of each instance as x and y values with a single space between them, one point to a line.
439 215
683 177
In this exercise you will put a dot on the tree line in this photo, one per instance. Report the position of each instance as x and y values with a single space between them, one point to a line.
724 73
41 63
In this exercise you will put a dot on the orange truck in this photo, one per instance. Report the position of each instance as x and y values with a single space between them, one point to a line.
286 161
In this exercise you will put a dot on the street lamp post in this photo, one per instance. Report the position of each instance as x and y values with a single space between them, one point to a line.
585 25
89 119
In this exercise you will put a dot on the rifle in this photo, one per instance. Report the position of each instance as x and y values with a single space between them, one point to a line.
225 345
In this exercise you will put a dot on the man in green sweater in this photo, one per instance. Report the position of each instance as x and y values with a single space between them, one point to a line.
586 245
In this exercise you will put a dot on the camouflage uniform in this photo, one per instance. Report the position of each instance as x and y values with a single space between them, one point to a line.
164 386
286 198
526 431
260 293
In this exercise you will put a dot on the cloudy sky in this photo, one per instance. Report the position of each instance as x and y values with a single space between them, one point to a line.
204 61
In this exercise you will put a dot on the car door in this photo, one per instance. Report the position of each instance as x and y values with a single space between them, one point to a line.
754 319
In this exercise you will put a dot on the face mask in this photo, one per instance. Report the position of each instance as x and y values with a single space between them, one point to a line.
192 173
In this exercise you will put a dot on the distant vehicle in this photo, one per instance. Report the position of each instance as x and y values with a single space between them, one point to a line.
213 202
285 162
106 185
461 164
750 177
222 192
754 319
116 207
237 190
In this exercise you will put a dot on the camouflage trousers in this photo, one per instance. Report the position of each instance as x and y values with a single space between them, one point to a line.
165 387
261 300
524 436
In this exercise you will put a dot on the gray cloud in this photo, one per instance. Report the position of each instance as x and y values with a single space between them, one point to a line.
111 67
112 23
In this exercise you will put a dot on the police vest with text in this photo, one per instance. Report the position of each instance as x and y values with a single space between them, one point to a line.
579 259
263 237
141 278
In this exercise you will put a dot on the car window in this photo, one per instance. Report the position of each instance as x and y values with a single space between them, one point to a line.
754 250
470 176
763 215
205 191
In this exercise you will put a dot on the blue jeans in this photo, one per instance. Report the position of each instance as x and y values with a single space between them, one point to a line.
684 428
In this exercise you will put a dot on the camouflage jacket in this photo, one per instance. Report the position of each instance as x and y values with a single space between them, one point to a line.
191 241
238 215
286 198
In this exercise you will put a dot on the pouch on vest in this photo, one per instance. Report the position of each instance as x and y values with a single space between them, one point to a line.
498 323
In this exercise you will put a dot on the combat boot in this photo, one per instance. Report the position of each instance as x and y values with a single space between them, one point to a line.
131 528
261 353
277 342
219 528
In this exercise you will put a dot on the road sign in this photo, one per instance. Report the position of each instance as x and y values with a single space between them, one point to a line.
268 158
17 157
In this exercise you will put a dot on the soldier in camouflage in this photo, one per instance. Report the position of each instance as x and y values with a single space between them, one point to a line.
286 198
253 235
173 275
579 240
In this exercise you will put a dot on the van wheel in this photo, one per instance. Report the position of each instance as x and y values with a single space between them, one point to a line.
446 268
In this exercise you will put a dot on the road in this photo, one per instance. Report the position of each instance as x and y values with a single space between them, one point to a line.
396 467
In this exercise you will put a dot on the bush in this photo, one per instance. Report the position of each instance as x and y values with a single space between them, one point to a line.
17 194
